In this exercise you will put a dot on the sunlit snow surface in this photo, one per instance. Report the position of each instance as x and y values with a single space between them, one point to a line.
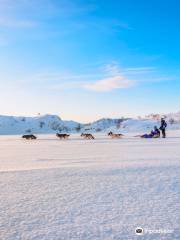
103 189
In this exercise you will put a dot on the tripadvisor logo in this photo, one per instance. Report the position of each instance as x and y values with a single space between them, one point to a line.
139 231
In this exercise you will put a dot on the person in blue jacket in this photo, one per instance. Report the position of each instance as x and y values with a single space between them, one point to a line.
163 127
154 133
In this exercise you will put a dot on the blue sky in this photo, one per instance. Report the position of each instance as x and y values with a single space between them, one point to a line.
89 59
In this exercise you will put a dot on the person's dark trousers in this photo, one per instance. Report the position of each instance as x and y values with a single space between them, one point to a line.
163 133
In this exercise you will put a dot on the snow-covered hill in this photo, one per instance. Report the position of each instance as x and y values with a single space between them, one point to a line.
39 124
145 125
52 123
103 124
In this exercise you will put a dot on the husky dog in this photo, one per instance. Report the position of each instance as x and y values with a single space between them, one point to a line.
87 136
115 135
29 136
62 135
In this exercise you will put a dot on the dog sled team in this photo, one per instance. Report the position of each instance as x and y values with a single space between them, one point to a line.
155 133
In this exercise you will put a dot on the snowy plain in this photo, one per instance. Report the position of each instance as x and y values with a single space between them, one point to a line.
100 189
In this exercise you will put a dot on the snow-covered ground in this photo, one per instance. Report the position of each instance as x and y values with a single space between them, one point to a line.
98 189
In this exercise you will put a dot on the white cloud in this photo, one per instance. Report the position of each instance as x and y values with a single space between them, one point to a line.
112 69
140 70
115 69
109 84
99 79
104 79
113 79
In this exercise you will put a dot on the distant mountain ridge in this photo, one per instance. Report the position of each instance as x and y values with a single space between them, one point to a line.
53 123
